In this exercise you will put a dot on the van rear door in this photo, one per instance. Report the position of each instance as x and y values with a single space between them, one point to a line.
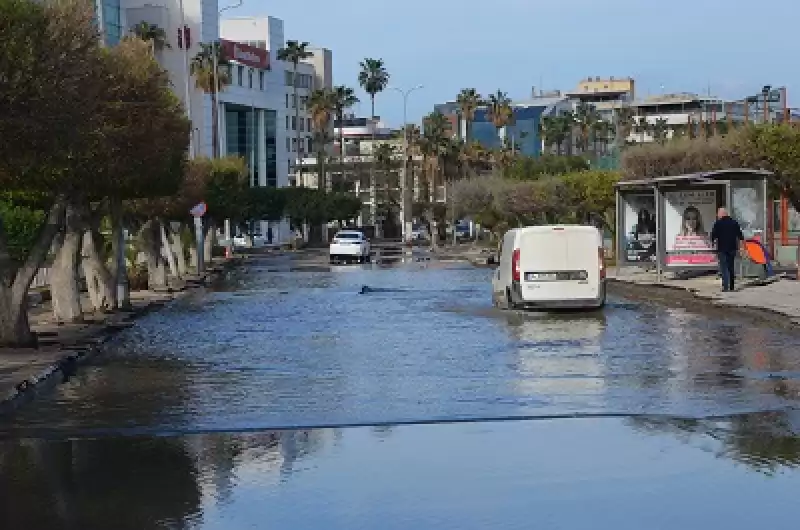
560 263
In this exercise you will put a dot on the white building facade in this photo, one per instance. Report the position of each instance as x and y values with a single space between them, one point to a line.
256 118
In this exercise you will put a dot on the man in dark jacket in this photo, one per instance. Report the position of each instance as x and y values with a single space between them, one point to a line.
726 236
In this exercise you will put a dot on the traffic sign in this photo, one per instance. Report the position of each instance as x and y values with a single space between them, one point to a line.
199 210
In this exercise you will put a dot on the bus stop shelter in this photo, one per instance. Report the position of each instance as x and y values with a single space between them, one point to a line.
664 223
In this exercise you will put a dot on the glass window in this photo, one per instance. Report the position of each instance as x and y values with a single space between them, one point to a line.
240 74
250 77
309 123
287 122
294 123
288 144
288 78
302 125
294 144
112 26
270 151
287 103
261 80
294 101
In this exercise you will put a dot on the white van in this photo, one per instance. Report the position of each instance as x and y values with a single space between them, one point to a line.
551 267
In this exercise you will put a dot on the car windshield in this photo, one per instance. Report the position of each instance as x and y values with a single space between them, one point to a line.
348 235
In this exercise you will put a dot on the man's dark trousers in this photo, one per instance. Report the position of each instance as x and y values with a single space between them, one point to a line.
726 262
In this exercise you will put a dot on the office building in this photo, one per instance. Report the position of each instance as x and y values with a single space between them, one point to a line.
259 113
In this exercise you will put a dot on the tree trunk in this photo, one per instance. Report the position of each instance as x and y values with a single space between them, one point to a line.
119 264
99 280
215 122
64 291
373 192
151 246
209 233
165 246
176 246
14 328
298 158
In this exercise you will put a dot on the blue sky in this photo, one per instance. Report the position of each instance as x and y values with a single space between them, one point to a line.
732 46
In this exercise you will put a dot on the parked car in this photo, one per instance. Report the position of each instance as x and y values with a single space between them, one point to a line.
349 245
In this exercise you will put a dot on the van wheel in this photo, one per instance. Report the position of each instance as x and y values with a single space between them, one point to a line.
511 302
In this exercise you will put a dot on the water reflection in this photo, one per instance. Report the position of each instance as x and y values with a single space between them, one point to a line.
91 484
558 355
766 442
466 476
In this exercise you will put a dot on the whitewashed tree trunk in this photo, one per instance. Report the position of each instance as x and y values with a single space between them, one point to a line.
176 245
64 292
99 280
151 247
167 250
119 268
209 234
15 330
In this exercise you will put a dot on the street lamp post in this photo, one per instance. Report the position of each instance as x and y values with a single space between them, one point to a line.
216 74
405 214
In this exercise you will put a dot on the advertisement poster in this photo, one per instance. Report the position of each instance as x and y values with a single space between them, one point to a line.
748 209
640 228
688 218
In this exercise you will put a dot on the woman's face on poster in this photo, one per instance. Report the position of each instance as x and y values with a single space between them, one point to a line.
691 220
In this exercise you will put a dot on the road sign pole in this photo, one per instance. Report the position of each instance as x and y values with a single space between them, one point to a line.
198 232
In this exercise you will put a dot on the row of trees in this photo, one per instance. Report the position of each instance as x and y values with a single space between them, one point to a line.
499 203
773 147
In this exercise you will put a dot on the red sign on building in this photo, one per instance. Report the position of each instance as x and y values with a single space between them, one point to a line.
245 54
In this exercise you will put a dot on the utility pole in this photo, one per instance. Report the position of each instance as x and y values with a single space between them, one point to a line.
405 205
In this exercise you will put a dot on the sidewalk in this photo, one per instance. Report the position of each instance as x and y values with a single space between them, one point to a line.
26 371
782 296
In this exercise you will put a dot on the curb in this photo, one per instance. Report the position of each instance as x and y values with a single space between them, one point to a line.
768 314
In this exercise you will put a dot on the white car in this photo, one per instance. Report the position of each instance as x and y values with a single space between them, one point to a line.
350 245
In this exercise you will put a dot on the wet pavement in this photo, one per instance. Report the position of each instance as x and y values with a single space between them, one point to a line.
576 474
231 407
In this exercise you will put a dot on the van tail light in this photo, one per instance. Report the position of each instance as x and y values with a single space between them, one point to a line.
515 274
601 258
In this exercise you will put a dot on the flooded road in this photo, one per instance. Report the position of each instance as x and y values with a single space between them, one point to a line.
242 407
275 348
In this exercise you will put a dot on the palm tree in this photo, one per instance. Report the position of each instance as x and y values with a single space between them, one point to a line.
384 158
499 112
209 81
586 117
343 98
567 124
373 78
602 131
659 129
468 101
152 34
642 127
434 145
321 106
624 125
294 52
